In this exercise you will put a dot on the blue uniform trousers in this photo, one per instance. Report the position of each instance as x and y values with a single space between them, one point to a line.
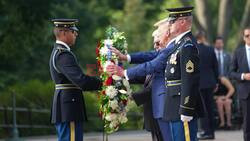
165 129
69 131
177 130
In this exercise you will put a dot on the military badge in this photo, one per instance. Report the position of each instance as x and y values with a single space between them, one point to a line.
186 100
173 59
190 66
172 70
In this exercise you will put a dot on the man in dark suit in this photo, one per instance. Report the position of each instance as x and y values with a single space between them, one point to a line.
143 97
208 81
223 58
68 108
183 104
240 71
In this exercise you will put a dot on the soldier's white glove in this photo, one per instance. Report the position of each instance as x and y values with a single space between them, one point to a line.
186 118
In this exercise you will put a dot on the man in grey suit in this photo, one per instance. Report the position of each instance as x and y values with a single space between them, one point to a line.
223 58
240 71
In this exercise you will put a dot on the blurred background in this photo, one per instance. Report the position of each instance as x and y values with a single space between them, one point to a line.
26 41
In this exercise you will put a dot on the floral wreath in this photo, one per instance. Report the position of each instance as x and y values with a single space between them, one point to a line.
115 93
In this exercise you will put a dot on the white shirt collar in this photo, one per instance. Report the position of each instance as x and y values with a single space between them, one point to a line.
62 43
217 51
177 39
247 46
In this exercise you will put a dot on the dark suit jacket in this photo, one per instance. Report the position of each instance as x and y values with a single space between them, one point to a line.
143 97
240 65
208 67
156 67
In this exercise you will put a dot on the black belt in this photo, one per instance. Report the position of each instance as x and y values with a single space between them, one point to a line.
66 87
173 82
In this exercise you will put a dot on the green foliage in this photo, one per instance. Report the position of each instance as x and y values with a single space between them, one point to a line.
133 24
24 40
32 94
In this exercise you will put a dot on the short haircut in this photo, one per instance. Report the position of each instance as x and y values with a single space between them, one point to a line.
246 28
200 34
219 38
57 30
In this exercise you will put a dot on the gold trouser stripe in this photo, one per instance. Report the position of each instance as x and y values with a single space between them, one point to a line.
186 131
72 131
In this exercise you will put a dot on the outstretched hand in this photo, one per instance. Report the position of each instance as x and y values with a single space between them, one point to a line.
121 56
114 69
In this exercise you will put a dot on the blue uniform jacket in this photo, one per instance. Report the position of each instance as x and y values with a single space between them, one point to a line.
152 63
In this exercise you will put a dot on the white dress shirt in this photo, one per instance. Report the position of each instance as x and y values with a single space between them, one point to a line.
177 39
219 55
248 59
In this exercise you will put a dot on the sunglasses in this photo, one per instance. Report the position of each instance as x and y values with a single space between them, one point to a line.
248 35
157 43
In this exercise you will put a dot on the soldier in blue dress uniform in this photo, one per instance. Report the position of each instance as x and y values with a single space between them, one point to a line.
183 102
68 109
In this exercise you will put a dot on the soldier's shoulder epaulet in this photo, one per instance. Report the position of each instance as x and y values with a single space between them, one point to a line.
58 50
62 49
188 42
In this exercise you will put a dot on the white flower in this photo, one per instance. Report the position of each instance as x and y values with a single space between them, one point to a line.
123 91
106 64
113 104
108 42
111 91
116 35
116 77
113 124
126 83
111 117
104 51
123 118
129 91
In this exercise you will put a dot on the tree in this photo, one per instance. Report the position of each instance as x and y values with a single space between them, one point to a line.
229 18
245 22
133 25
203 17
225 13
24 40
